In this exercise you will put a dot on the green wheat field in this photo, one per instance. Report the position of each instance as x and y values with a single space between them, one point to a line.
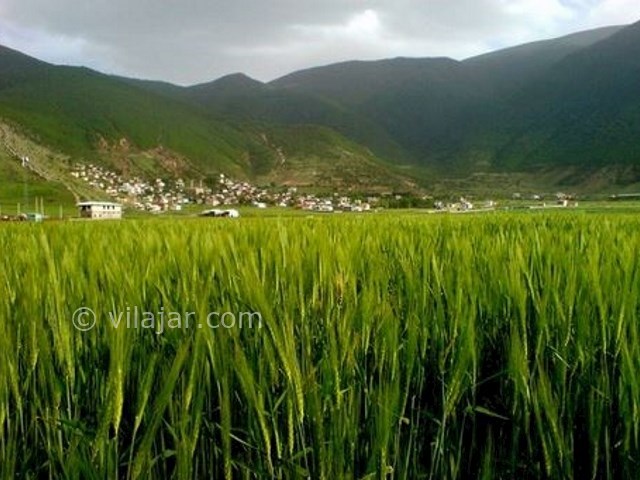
409 347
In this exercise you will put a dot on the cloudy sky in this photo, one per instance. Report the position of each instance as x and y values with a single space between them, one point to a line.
192 41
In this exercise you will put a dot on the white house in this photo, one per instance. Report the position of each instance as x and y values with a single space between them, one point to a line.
100 210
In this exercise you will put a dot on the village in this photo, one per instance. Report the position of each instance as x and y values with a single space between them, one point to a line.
161 196
157 196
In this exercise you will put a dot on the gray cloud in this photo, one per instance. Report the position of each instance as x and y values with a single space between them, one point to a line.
192 41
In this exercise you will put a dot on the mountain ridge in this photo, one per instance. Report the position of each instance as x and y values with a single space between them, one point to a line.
558 104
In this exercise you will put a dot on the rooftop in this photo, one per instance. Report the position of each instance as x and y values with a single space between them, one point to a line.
98 204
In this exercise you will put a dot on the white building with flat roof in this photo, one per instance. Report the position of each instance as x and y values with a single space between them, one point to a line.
100 210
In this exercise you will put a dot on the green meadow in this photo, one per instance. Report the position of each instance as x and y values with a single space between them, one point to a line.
434 347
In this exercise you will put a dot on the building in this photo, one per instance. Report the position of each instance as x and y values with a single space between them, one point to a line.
100 210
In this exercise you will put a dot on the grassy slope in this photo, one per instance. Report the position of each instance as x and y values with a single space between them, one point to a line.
47 178
585 111
555 103
122 123
239 97
318 156
21 186
71 108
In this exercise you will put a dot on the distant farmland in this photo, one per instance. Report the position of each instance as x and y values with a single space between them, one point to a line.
503 346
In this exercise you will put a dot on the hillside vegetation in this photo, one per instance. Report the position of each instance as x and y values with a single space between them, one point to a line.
44 178
556 104
568 106
94 117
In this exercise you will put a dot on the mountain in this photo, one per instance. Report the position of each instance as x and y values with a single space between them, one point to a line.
495 112
413 101
566 110
15 67
76 110
236 84
244 99
584 111
512 68
447 114
149 128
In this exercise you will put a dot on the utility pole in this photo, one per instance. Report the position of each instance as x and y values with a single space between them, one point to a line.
25 187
